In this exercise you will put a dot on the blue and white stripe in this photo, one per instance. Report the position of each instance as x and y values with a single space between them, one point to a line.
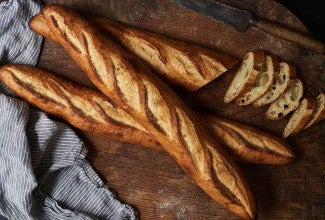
43 171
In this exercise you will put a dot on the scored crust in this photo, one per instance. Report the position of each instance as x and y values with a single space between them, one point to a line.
299 118
183 64
263 81
287 102
318 112
84 108
245 75
281 81
249 144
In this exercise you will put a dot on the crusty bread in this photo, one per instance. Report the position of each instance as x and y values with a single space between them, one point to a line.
286 73
299 118
287 102
89 110
245 75
263 81
183 64
318 112
180 63
249 144
131 86
84 108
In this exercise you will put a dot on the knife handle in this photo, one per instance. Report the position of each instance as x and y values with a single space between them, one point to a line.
290 35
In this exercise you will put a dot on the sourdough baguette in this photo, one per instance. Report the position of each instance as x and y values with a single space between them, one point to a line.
183 64
299 118
263 81
246 75
287 102
318 112
279 85
249 143
129 84
91 111
84 108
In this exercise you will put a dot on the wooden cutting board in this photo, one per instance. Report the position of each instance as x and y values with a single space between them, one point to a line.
151 181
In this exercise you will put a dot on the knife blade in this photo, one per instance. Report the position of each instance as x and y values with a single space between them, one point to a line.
240 20
236 18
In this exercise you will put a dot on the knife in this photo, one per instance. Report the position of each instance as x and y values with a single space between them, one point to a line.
240 20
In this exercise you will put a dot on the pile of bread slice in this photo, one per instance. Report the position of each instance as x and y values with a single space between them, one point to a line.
261 80
134 106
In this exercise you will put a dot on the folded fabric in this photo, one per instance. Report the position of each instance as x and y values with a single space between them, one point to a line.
43 171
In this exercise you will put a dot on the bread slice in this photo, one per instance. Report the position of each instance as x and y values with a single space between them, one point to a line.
249 144
318 112
287 72
287 102
263 81
299 117
245 75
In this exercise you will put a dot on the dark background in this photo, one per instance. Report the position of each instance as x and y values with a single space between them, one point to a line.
311 13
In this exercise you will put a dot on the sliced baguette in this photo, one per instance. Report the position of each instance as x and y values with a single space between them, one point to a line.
287 102
246 75
287 72
318 112
249 144
299 118
263 81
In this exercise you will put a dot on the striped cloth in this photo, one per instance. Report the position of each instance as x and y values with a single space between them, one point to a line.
43 171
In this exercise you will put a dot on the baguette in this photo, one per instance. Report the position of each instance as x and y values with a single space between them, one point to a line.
246 75
287 102
299 118
286 73
183 64
318 112
180 63
84 108
131 86
249 144
263 81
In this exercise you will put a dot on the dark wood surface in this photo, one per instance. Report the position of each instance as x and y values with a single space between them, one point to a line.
151 181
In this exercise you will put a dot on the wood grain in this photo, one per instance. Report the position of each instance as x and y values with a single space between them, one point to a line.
294 191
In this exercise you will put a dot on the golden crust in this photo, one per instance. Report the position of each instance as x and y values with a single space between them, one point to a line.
249 144
91 50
